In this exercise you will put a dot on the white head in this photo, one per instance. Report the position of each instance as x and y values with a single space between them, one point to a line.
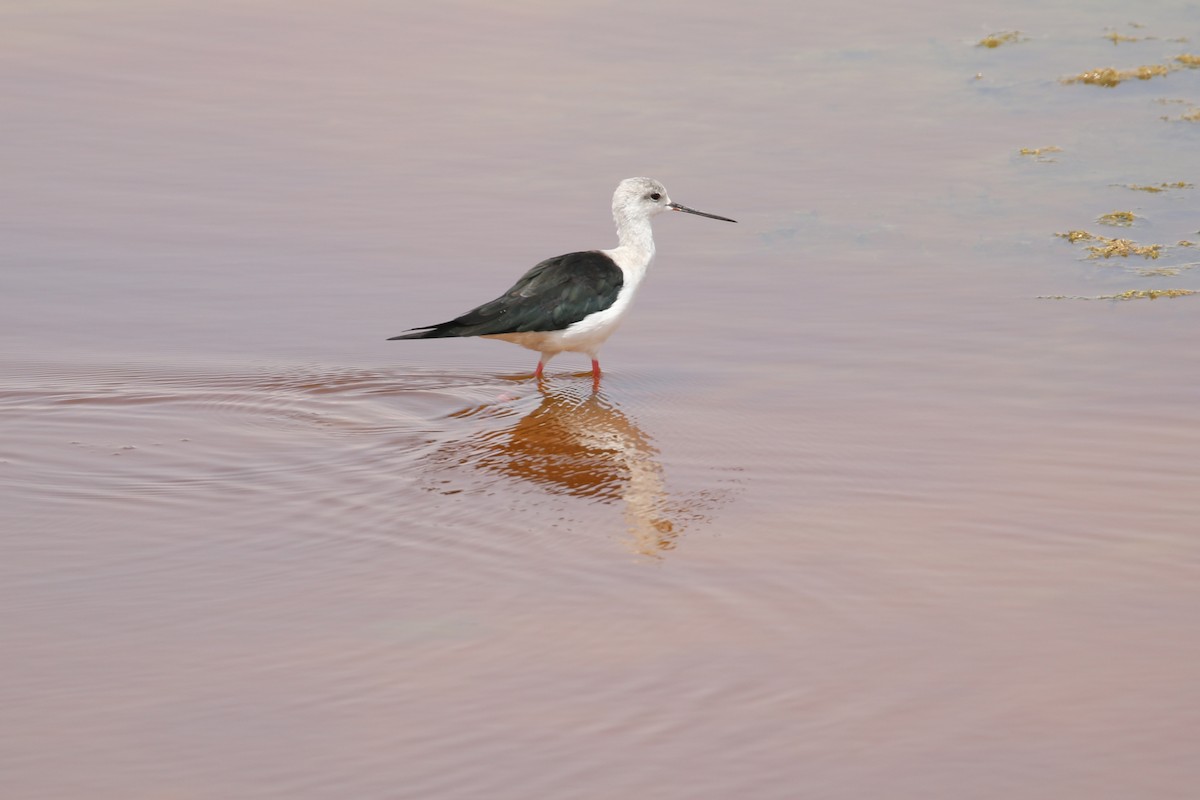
643 198
639 198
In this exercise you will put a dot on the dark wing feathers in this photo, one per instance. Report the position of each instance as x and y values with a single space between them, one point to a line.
551 296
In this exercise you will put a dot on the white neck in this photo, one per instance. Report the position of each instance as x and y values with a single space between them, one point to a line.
635 239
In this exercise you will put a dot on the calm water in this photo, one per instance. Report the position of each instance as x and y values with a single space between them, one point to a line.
856 513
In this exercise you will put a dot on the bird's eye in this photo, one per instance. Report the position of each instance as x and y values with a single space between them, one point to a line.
656 196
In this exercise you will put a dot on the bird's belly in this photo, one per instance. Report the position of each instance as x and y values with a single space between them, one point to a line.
542 341
589 333
579 338
584 336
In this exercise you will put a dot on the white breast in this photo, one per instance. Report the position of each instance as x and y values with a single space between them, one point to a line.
589 333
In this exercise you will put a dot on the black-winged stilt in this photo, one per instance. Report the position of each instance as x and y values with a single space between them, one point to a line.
573 303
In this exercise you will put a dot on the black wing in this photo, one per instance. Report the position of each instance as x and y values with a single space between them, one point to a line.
551 296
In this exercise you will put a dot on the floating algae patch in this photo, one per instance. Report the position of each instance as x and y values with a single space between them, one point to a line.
1123 248
1148 294
1115 37
997 39
1111 77
1162 187
1109 247
1191 115
1120 219
1039 154
1188 60
1132 294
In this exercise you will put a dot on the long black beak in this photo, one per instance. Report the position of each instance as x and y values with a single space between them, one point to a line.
686 210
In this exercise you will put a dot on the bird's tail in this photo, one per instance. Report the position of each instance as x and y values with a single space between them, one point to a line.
442 331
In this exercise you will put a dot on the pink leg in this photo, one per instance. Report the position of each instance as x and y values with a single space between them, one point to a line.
537 373
595 369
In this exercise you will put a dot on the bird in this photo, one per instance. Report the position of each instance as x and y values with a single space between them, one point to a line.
573 302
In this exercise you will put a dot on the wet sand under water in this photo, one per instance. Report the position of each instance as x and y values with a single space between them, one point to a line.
855 512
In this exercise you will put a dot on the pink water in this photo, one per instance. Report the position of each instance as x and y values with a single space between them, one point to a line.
855 513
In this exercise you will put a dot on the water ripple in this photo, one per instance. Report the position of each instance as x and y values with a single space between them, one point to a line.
337 454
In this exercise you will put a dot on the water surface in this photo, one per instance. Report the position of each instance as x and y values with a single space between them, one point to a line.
855 513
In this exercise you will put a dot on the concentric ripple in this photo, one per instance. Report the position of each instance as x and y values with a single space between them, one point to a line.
330 454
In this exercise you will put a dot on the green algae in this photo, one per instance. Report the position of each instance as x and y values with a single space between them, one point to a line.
1120 219
996 39
1110 77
